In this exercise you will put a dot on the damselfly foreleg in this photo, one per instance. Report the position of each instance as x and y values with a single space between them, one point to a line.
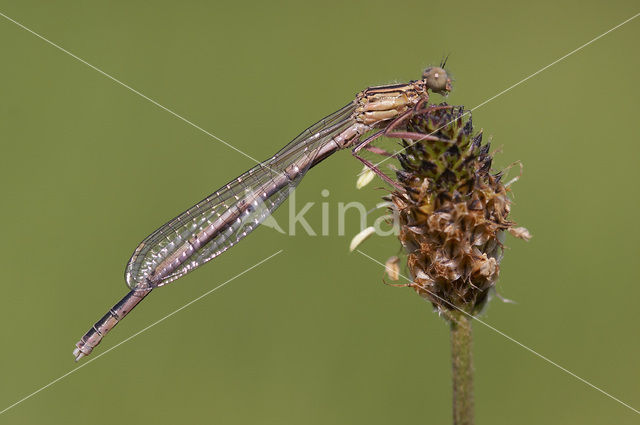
390 130
366 144
378 151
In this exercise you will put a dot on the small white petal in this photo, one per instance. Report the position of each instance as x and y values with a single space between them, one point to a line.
505 300
520 232
360 237
365 178
392 267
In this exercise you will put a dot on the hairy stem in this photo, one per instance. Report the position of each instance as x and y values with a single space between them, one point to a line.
462 361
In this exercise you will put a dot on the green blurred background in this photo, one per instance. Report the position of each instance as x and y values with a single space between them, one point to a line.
88 169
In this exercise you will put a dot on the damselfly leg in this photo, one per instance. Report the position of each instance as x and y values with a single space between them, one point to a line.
391 131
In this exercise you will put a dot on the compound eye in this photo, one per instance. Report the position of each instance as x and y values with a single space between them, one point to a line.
437 79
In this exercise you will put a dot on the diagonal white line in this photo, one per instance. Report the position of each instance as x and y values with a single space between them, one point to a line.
531 350
109 76
138 333
253 159
577 49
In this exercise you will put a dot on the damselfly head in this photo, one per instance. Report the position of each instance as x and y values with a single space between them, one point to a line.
437 80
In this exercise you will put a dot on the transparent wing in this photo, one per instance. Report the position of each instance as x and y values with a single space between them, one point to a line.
174 248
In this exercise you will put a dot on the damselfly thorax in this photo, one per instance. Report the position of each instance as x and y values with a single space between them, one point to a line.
377 105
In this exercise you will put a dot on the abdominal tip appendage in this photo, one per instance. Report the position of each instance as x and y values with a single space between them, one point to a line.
78 354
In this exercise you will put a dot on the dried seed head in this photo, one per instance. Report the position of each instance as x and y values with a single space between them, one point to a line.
453 211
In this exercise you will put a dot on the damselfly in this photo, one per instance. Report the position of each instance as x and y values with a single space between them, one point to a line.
221 220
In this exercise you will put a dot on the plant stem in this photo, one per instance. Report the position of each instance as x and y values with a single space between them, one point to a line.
462 361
